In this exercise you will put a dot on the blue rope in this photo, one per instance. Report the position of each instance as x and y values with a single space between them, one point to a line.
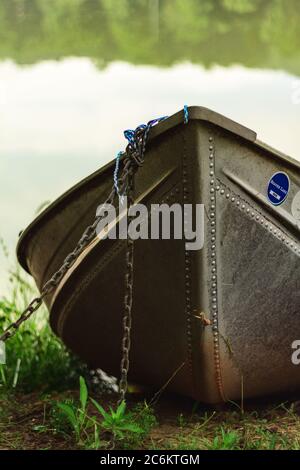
186 114
129 135
116 172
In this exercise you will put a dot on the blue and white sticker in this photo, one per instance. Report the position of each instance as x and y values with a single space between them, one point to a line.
278 188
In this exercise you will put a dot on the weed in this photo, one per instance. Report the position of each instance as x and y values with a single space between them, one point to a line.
228 440
118 422
91 431
76 415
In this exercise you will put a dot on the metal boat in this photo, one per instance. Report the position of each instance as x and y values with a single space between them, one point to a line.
215 324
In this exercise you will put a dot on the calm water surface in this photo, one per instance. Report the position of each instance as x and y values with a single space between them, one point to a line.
74 75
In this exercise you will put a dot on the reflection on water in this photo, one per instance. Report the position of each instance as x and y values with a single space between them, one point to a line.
256 33
62 119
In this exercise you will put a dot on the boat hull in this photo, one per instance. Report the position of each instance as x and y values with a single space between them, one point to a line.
215 324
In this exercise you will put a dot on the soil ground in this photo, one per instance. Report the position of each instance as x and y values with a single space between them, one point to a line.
181 424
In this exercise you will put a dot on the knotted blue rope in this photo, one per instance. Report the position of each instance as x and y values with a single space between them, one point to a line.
130 136
186 114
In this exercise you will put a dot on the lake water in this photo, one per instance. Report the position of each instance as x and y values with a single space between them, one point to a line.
74 75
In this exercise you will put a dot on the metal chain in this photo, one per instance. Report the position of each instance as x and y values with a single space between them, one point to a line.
53 282
128 298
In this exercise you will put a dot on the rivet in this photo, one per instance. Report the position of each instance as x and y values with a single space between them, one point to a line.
212 198
210 139
257 217
248 210
237 203
212 182
243 206
211 147
212 214
227 195
217 188
211 165
214 277
213 223
213 239
212 190
222 191
213 247
212 206
232 199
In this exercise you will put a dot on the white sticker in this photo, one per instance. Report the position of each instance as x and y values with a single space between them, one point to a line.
296 208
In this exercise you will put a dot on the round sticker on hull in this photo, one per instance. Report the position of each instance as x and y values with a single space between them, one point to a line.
278 188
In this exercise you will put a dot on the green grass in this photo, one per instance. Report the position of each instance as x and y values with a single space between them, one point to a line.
35 358
95 427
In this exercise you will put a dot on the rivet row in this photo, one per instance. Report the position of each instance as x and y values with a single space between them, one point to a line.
256 215
215 187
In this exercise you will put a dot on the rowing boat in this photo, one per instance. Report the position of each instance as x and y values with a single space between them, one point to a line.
215 324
